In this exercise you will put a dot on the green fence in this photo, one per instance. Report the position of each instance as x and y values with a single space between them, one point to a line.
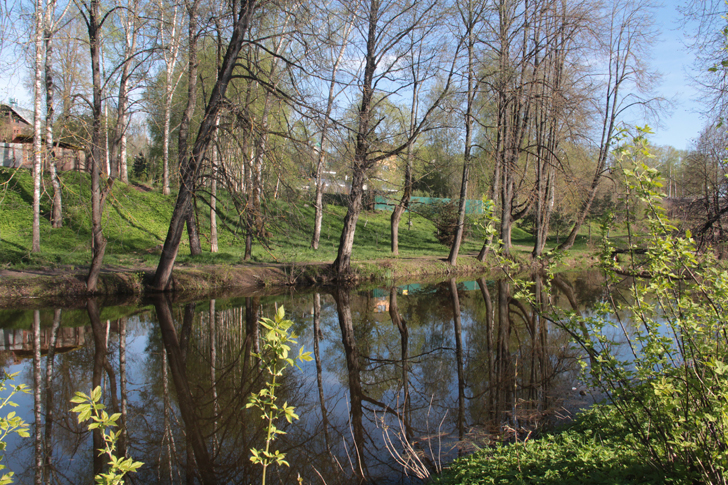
381 203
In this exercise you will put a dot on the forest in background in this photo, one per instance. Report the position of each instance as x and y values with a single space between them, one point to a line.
517 102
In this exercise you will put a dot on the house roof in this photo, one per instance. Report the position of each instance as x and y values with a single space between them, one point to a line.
24 114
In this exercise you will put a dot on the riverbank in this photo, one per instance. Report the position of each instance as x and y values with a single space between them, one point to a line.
136 220
200 278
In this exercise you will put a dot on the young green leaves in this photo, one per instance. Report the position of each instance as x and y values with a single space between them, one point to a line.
11 423
89 407
274 356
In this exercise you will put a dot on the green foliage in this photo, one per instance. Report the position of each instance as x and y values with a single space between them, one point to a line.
275 359
486 224
90 408
11 423
660 351
597 449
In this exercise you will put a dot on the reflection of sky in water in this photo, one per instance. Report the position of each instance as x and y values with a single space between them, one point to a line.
433 382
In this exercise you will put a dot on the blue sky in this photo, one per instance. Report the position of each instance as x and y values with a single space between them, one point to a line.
678 127
683 123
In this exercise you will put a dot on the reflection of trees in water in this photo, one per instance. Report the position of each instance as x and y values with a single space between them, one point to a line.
498 367
471 360
529 365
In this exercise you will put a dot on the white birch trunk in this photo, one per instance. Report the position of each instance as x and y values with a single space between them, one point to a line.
37 125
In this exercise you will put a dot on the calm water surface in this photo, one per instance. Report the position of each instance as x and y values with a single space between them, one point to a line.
415 373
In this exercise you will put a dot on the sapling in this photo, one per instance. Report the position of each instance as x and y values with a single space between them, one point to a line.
90 408
274 357
11 423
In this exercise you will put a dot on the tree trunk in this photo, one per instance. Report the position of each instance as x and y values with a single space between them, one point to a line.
97 197
190 166
342 264
165 144
57 212
57 215
184 127
318 206
213 190
407 192
455 249
37 125
123 118
170 60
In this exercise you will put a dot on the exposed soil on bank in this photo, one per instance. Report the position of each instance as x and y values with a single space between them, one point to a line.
70 282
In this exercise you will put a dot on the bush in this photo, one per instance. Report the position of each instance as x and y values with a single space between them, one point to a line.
660 352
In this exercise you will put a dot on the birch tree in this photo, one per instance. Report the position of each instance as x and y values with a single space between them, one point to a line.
51 26
39 17
170 45
130 23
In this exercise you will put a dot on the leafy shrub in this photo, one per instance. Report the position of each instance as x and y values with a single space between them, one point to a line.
275 359
660 353
89 408
10 423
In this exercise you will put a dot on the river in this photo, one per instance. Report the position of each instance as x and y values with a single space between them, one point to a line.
403 380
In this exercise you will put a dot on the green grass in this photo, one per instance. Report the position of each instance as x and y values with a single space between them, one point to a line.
595 450
135 223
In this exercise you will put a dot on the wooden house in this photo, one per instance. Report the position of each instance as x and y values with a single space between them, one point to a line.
16 142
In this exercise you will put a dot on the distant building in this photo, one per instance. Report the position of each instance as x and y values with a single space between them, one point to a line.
15 122
16 142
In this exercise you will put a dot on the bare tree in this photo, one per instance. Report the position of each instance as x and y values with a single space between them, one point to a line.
91 13
335 62
705 21
385 27
130 19
629 31
470 16
191 165
193 33
170 40
51 26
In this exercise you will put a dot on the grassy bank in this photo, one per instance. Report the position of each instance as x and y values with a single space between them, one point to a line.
136 218
135 223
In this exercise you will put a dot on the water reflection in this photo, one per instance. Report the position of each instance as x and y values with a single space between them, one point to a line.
415 374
